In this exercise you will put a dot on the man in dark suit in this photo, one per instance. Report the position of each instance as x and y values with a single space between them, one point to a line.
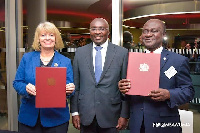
158 112
98 106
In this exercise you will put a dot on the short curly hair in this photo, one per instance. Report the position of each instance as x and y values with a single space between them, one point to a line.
50 28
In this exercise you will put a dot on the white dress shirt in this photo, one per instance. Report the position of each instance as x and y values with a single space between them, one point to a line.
103 53
157 51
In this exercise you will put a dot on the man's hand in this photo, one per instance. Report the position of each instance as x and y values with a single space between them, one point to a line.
76 121
122 123
124 85
70 88
160 94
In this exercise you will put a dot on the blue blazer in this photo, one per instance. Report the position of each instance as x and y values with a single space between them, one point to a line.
28 114
165 112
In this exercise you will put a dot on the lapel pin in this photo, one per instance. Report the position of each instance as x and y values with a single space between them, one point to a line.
164 58
55 64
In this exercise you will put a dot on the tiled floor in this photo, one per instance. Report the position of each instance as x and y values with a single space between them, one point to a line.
196 125
196 121
3 122
72 129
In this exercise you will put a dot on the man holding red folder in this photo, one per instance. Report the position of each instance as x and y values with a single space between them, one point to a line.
158 112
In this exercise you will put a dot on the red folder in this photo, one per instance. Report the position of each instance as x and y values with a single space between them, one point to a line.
144 72
50 87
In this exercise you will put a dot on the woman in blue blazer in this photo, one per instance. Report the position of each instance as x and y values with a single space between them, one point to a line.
41 120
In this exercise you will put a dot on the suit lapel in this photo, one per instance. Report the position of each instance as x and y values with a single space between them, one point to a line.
110 54
89 59
36 62
56 61
164 58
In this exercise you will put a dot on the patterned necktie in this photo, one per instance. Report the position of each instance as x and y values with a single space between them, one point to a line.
98 63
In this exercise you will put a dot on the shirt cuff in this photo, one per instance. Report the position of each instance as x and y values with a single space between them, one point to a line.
75 113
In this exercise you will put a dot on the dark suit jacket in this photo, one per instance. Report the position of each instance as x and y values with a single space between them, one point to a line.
181 91
28 114
102 99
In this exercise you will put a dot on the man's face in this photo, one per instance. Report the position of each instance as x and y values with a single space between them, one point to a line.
188 46
183 44
99 31
152 34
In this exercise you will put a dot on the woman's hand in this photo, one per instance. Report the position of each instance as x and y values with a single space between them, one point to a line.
70 88
31 89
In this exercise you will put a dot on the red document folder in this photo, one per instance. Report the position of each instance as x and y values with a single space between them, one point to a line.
50 87
144 72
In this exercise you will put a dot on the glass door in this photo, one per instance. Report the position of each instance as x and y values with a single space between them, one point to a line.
3 82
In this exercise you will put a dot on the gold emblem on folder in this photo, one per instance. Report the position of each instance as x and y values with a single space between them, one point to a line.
51 81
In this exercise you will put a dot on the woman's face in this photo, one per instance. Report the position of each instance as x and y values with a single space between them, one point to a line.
47 40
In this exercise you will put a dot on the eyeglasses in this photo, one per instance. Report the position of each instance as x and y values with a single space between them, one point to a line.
101 29
152 31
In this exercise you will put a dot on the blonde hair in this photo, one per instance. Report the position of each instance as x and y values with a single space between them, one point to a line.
50 28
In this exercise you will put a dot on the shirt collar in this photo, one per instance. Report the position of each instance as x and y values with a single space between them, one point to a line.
104 45
157 51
